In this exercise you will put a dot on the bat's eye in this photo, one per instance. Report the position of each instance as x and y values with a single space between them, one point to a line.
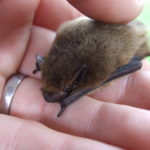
67 90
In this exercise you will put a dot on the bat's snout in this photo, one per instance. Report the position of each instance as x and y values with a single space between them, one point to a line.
54 97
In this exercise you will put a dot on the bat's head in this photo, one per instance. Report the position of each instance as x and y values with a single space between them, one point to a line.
60 82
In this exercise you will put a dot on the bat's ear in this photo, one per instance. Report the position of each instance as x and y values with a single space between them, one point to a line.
77 79
80 74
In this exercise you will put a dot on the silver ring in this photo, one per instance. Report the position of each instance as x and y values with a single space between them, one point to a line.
9 92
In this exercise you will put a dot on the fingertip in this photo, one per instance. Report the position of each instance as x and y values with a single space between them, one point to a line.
111 11
146 64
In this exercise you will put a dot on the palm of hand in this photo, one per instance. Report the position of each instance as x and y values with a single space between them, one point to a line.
118 125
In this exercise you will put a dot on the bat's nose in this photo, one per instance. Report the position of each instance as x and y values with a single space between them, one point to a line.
54 97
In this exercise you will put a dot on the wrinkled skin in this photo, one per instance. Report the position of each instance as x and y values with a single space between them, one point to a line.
107 125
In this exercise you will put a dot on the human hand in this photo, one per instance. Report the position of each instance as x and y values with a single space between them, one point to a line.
35 125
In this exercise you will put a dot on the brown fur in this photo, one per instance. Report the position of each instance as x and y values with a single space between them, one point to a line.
102 47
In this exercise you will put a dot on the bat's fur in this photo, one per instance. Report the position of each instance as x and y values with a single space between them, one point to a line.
101 47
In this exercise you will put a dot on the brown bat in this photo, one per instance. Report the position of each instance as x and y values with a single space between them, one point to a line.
87 54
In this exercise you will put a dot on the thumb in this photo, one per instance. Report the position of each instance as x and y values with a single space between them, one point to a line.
111 11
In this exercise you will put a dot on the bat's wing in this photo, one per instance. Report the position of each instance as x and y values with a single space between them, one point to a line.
134 65
70 99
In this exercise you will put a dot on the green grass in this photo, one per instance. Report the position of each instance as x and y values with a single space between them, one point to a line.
148 58
145 17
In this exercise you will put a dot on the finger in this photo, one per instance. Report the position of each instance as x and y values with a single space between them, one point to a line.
115 124
112 11
19 134
16 19
146 65
51 13
131 90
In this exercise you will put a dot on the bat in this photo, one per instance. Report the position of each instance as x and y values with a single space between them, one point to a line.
86 54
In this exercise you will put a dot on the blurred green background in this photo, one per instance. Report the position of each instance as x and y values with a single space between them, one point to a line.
145 17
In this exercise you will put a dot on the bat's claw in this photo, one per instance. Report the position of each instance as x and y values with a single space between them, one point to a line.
35 71
63 107
39 63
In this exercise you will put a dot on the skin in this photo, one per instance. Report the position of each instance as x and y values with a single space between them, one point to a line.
107 125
